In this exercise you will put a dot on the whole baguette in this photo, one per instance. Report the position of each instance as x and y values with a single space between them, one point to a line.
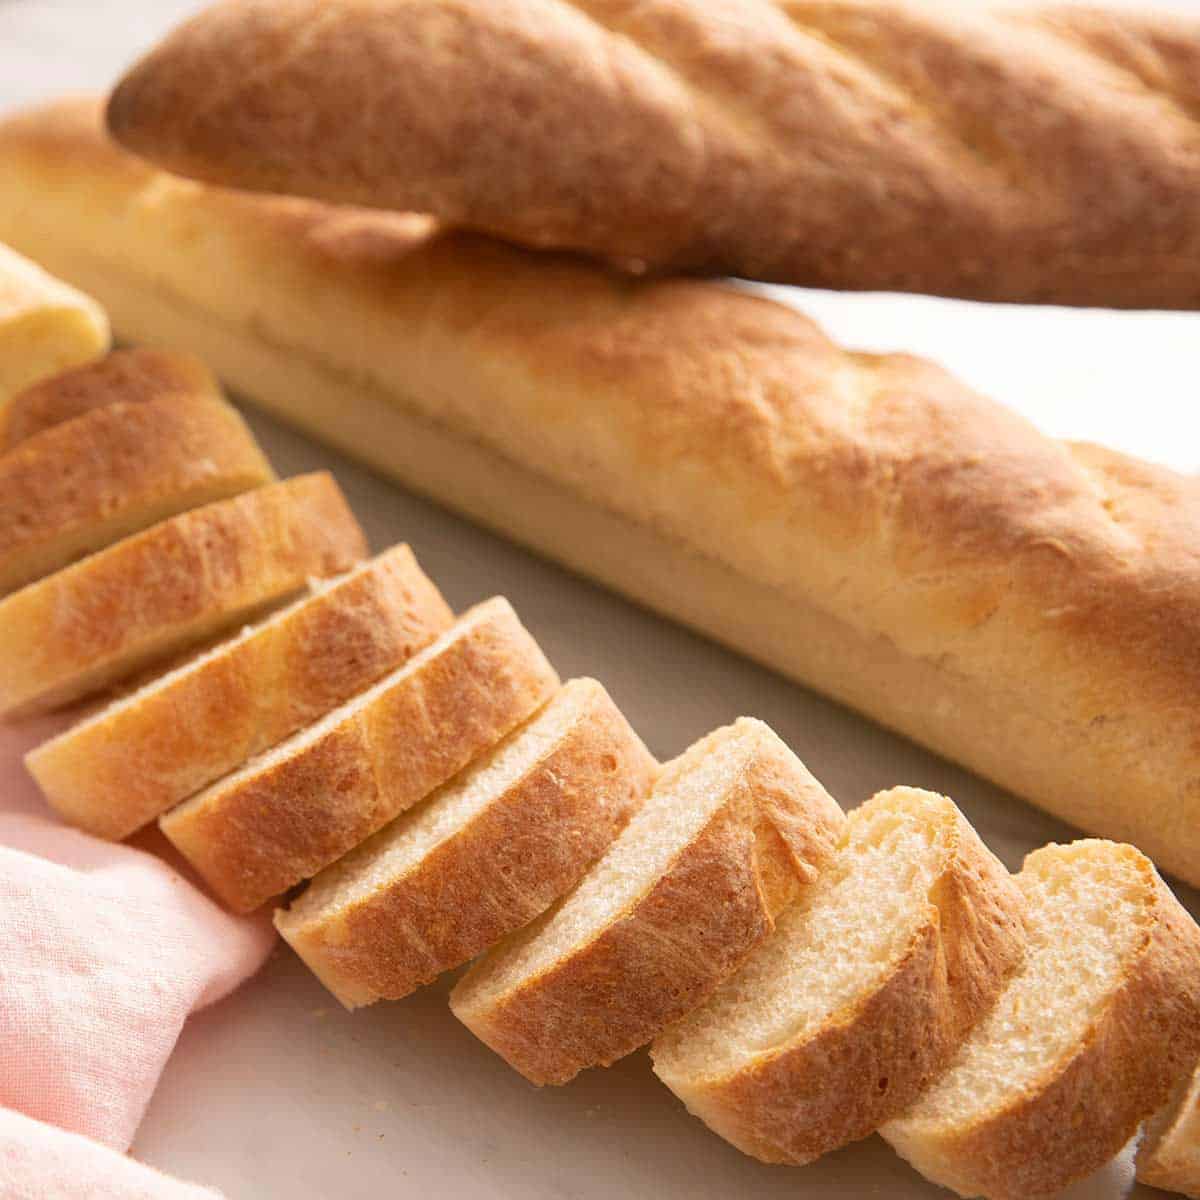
866 525
1029 154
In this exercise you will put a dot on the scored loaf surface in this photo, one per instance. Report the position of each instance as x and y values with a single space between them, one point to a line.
285 815
734 830
168 588
479 858
866 525
1029 153
131 761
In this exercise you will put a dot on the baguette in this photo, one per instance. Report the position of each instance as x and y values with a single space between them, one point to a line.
111 472
129 376
1092 1035
480 858
287 814
866 525
167 589
45 326
144 753
1169 1156
1031 155
734 830
860 998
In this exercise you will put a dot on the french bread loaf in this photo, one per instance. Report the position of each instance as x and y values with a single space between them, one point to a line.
168 588
734 830
108 473
144 753
480 858
866 525
861 996
45 326
292 811
1169 1156
1040 153
1093 1033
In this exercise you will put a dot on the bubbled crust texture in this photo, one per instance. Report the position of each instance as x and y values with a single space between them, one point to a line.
494 875
131 376
270 826
1141 1045
1030 155
160 591
870 1060
113 775
717 899
112 471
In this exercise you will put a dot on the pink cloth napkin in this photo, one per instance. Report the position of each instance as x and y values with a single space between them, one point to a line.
104 951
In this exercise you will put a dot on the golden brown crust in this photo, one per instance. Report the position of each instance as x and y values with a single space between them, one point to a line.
868 1062
130 376
167 588
1169 1156
113 773
774 831
495 874
1031 155
104 475
277 822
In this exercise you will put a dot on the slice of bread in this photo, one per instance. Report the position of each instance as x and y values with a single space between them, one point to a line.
862 994
480 858
734 830
294 810
1094 1031
146 752
102 476
1169 1156
126 376
45 326
168 588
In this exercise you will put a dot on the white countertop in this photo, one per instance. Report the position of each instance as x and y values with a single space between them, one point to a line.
276 1092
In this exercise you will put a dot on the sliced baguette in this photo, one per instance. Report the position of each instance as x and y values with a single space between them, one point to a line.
1169 1157
126 376
480 858
294 810
734 830
863 992
92 480
146 752
45 325
1094 1031
170 587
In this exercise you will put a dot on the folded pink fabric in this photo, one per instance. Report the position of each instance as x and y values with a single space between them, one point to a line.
104 951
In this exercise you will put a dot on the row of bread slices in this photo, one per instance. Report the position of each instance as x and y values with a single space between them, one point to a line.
805 978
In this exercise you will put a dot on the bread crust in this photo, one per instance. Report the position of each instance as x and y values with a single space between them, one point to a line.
769 839
1079 1114
169 588
865 524
1034 155
122 768
493 875
130 376
113 471
869 1061
277 822
1169 1157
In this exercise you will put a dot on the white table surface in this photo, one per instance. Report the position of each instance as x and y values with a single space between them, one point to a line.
276 1092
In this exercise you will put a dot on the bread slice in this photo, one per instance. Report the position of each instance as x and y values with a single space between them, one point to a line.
45 325
294 810
90 481
863 992
1169 1157
146 752
170 587
480 858
1094 1031
126 376
734 830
